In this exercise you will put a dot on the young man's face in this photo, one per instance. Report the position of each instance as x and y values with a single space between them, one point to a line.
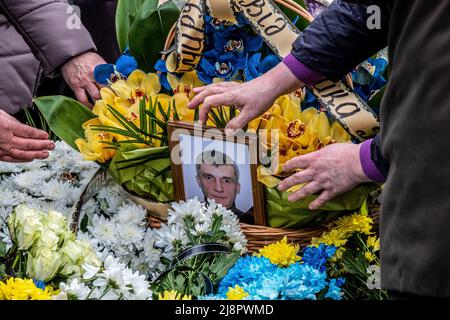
219 183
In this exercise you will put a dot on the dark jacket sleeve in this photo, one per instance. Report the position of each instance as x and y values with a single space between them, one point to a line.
375 150
340 39
46 27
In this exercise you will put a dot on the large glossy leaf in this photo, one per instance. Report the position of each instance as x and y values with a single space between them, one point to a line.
65 117
125 15
149 31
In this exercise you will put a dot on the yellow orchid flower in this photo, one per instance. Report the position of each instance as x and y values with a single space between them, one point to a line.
185 84
93 147
308 114
338 133
266 177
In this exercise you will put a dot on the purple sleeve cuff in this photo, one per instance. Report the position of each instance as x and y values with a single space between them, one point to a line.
367 164
303 73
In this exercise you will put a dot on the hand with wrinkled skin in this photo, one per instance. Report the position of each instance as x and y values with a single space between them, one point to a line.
252 98
332 171
79 75
21 143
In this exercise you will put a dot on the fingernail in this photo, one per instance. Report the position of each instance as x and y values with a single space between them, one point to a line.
44 155
229 132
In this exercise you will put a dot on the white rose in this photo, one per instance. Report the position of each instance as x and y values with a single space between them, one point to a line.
25 226
47 239
56 222
44 265
75 253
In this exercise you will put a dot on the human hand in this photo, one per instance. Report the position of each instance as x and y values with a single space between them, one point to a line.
21 143
79 75
333 170
252 98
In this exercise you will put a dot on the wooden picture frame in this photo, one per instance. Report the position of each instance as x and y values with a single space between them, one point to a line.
178 128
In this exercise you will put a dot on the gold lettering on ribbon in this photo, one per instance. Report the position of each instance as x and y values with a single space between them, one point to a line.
352 112
269 22
190 38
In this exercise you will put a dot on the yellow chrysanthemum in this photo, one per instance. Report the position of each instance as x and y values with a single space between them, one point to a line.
355 223
173 295
344 228
373 243
236 293
335 237
20 289
281 253
370 257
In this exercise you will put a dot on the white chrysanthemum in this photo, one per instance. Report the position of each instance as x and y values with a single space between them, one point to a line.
27 181
111 198
90 208
8 198
169 236
54 190
9 167
179 211
104 230
130 235
75 290
131 213
138 287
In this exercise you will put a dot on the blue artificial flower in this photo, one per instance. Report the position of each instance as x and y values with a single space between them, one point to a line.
310 101
124 66
39 284
232 52
334 290
365 83
317 257
268 287
303 282
246 270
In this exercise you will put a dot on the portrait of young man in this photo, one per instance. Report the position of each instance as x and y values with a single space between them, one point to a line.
218 178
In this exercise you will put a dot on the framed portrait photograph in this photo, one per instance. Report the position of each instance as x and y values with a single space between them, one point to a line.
207 164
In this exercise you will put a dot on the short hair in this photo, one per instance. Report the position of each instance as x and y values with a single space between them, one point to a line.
216 158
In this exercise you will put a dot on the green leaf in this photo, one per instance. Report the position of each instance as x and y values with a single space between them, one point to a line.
84 223
125 15
65 117
2 249
148 32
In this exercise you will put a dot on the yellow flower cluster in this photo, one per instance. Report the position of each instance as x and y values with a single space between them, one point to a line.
291 132
173 295
20 289
125 96
236 293
281 253
344 228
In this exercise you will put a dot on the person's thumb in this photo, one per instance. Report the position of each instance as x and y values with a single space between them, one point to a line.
236 123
